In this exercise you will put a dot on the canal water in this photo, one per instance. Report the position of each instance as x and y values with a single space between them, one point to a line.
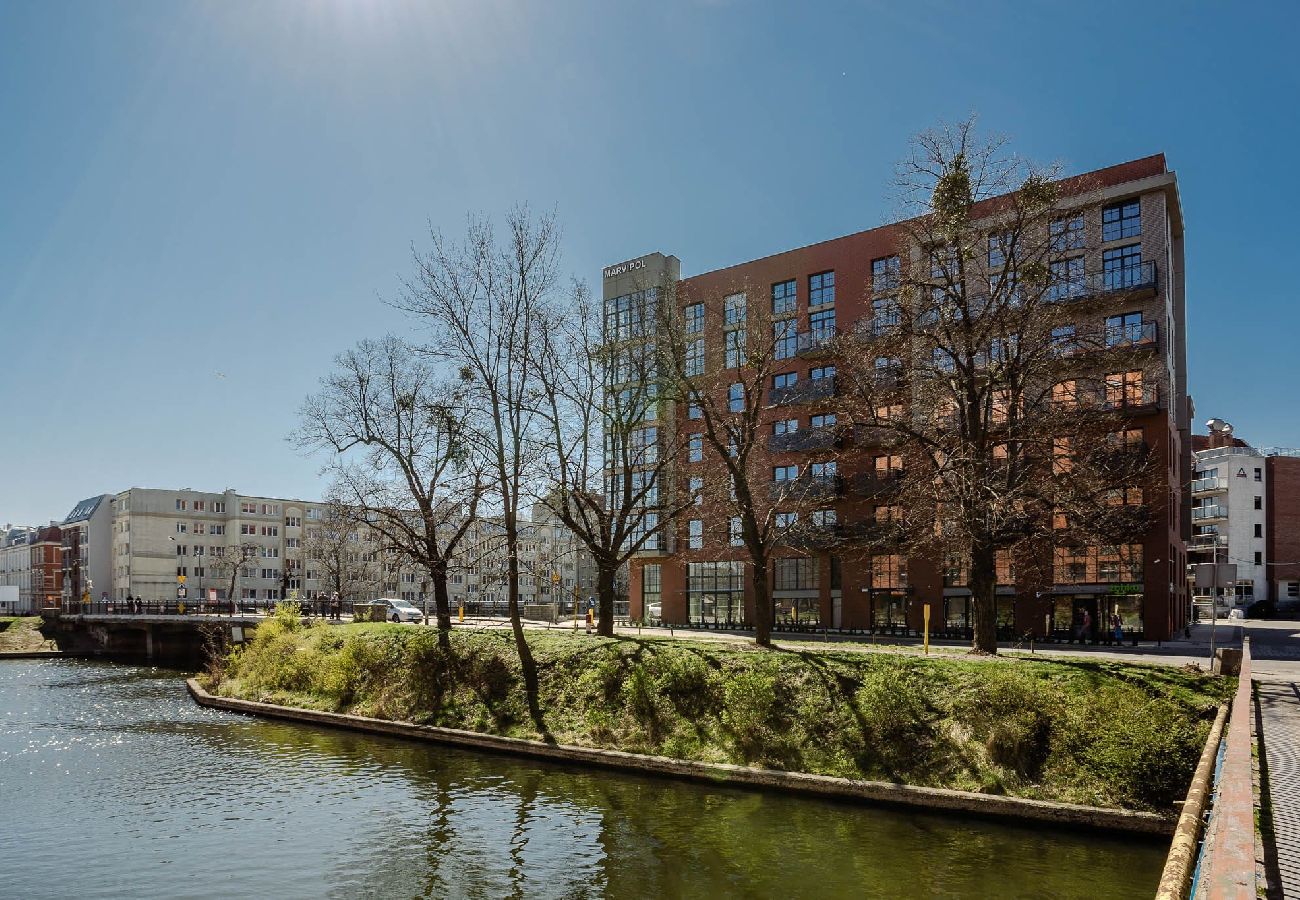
114 784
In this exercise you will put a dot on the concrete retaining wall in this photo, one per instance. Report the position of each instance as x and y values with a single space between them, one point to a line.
877 792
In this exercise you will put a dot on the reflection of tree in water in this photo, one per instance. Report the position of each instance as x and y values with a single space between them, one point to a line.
436 821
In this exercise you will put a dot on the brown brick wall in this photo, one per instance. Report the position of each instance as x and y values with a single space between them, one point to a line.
1282 512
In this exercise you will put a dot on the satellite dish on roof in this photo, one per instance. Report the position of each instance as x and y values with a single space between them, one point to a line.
1217 425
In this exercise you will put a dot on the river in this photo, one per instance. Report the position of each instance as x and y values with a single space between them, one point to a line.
114 784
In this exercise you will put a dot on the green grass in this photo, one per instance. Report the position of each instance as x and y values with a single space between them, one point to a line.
1095 732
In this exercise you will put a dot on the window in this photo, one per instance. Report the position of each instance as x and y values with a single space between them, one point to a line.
785 473
797 574
821 372
248 509
785 426
1063 340
218 506
785 338
784 297
733 309
825 420
181 528
313 514
1124 389
695 318
999 249
821 288
696 489
1122 267
695 358
736 397
293 522
1067 234
784 380
182 550
735 346
695 448
735 532
823 324
885 314
270 531
1065 394
887 571
695 534
1259 558
248 530
217 529
1259 503
1121 221
824 471
644 445
884 273
199 527
182 505
198 506
627 316
786 520
823 517
1124 329
1259 530
942 360
1259 474
693 411
890 464
1065 278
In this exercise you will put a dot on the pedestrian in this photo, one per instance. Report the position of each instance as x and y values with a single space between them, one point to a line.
130 603
1085 627
336 606
1118 626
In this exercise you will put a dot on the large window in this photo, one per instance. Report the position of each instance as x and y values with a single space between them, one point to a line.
630 315
695 357
695 534
885 273
784 380
695 448
785 338
885 314
715 592
733 307
736 397
1123 220
785 473
821 288
1066 278
695 318
797 574
820 372
823 324
1067 234
1122 267
784 297
735 347
1124 329
651 586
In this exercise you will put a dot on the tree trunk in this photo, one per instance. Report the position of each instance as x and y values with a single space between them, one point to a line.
983 587
605 572
526 662
441 604
762 606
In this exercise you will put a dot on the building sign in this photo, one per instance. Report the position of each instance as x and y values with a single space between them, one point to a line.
632 265
1125 589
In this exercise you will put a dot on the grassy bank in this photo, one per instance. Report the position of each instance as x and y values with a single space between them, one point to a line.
21 634
1099 733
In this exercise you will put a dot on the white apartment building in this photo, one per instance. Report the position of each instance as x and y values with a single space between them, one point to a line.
16 562
87 536
159 536
1230 519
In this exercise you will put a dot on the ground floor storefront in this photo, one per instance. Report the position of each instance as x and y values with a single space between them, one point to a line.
820 593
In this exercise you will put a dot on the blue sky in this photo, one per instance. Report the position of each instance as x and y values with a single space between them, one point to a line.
192 188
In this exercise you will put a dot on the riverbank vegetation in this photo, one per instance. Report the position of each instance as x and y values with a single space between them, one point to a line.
22 634
1083 731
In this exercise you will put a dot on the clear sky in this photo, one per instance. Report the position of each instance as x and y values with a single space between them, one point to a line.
202 202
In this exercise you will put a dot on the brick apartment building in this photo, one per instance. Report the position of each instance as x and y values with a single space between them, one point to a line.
1130 278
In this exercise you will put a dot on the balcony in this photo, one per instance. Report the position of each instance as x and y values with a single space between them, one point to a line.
1206 543
817 341
875 436
1126 457
877 484
1138 336
1135 399
804 439
1213 513
805 487
878 326
1203 487
1129 280
809 391
813 537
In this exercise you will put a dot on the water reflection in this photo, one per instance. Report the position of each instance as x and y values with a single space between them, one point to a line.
115 784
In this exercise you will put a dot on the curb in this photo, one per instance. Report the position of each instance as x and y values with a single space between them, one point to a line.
1177 874
876 792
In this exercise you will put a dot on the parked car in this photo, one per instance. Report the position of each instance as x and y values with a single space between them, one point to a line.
654 612
401 610
1261 609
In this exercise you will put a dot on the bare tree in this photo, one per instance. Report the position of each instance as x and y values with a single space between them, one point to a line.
610 457
484 302
402 463
720 353
972 378
228 564
335 546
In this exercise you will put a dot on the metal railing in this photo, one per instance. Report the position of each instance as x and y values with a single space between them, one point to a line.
1131 278
819 438
803 391
1209 512
816 341
1209 485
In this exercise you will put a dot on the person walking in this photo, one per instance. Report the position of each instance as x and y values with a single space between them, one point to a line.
1085 627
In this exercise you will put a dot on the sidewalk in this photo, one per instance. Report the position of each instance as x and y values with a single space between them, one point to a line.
1278 725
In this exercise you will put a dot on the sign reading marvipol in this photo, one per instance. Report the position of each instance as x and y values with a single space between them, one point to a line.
632 265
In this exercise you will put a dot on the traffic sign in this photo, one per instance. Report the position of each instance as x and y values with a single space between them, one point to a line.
180 592
180 579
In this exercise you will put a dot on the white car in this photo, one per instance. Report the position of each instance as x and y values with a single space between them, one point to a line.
401 610
654 611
